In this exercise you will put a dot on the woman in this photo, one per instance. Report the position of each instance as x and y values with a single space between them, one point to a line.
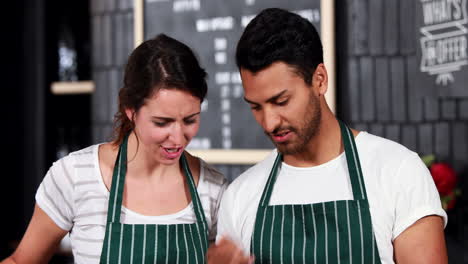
140 198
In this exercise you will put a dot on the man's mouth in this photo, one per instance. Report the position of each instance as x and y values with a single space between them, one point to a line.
281 136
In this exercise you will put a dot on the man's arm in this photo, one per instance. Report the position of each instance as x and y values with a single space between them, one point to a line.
422 242
227 252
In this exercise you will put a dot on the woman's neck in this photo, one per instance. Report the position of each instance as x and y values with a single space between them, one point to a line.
141 163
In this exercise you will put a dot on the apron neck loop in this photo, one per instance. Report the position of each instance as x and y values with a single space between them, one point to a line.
118 182
352 159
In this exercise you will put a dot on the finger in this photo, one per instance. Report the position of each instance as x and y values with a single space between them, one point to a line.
239 257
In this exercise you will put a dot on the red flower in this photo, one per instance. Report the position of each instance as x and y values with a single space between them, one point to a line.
444 177
451 202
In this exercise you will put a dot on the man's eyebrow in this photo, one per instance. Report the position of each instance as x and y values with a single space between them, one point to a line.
192 115
271 99
248 101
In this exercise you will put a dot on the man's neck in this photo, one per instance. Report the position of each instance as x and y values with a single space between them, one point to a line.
323 147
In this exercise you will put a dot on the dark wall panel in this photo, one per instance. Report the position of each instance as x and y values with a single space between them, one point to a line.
425 139
431 108
382 89
367 87
407 33
376 26
383 48
390 31
414 100
397 89
112 31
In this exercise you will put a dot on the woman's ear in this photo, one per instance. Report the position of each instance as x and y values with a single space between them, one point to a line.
130 113
320 79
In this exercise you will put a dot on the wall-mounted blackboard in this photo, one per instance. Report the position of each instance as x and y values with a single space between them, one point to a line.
212 28
442 27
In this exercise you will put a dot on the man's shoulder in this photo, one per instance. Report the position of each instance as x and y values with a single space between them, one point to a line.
386 162
376 147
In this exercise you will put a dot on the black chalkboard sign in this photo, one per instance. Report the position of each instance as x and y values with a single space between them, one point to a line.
212 28
442 52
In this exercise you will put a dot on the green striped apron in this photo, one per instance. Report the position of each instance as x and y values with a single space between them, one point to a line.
330 232
149 243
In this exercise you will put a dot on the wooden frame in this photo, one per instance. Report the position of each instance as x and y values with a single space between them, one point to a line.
78 87
252 156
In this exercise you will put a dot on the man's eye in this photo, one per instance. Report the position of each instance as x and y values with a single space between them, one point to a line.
281 103
190 121
255 107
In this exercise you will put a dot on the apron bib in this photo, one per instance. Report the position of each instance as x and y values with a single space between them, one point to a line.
330 232
150 243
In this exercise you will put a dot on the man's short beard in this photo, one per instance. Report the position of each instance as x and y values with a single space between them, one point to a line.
307 130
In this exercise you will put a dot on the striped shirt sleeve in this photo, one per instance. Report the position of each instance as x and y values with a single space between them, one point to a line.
214 212
216 184
55 194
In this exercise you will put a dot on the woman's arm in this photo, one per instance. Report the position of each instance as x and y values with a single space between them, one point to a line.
39 242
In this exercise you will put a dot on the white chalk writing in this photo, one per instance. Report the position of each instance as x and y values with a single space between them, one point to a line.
444 40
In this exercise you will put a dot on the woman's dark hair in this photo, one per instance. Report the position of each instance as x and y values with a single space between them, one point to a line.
277 35
158 63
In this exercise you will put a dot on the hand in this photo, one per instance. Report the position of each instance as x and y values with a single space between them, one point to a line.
226 252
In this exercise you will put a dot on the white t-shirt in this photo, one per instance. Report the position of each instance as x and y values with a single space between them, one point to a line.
399 187
74 196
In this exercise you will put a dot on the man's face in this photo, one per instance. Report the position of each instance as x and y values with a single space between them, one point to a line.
284 105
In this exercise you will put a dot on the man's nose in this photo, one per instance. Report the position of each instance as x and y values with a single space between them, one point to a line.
271 121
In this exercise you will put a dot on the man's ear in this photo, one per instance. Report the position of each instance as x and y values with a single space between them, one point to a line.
320 79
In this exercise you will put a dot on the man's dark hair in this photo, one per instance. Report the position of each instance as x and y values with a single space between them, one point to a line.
277 35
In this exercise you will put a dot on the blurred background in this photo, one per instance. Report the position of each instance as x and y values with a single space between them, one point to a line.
400 72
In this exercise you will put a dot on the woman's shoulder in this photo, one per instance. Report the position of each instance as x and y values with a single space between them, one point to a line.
76 167
76 159
107 154
211 174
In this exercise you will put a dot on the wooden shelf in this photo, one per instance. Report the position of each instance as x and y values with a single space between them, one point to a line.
80 87
231 156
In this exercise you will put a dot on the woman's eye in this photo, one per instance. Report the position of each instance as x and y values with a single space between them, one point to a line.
159 124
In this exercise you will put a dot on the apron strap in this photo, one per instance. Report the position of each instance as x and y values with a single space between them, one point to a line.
354 165
197 206
268 190
118 181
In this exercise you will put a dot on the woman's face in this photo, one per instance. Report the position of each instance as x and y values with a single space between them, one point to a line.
166 123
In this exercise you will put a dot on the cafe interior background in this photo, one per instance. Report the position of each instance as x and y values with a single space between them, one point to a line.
399 70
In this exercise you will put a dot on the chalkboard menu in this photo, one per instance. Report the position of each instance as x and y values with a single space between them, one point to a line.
442 53
212 28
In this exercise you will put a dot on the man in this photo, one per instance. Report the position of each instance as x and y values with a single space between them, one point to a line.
327 194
